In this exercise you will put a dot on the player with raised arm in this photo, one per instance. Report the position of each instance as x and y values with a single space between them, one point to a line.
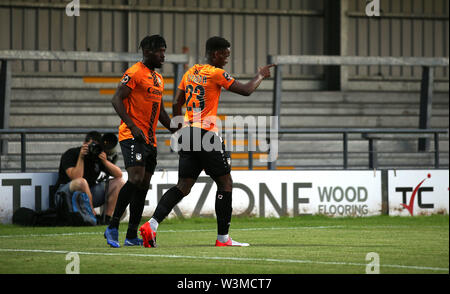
200 89
138 102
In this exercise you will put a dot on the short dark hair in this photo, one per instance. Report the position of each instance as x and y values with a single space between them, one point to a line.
94 135
216 44
152 43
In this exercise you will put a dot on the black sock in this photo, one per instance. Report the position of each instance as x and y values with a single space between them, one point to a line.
168 201
107 219
224 210
136 208
125 195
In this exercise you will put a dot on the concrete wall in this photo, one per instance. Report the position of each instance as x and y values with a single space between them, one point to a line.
406 28
256 28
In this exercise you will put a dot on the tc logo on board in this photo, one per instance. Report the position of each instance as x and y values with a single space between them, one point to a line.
416 191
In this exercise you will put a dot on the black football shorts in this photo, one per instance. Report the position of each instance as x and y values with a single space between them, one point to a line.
213 159
139 154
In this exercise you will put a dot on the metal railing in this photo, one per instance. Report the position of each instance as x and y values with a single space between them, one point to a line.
368 134
426 93
6 56
428 65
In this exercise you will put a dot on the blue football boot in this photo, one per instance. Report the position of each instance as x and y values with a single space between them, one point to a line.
133 242
112 237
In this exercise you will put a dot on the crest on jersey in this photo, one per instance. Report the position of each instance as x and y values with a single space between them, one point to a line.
125 79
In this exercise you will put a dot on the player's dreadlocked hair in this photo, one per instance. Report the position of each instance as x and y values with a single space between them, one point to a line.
216 44
152 43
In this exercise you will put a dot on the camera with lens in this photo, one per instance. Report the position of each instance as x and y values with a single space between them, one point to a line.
95 149
108 145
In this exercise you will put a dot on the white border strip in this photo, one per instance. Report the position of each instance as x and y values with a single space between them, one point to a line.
227 259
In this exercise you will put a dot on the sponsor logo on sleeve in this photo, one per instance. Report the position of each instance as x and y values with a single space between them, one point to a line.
125 79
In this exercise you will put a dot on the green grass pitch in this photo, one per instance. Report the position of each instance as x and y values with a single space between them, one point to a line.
300 245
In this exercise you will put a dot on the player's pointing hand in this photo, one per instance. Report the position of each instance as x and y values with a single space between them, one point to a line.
265 70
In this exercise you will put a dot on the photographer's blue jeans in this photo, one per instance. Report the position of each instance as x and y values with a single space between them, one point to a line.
98 193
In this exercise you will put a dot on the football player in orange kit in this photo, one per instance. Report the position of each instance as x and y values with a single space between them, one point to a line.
200 89
138 102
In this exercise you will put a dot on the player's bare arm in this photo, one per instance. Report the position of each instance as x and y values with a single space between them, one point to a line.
112 169
123 92
178 102
248 88
164 119
78 170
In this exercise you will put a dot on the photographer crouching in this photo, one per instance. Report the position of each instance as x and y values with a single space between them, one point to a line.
81 170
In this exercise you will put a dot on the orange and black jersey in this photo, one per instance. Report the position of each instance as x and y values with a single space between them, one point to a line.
144 102
202 85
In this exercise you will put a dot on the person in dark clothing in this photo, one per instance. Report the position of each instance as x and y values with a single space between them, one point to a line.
81 167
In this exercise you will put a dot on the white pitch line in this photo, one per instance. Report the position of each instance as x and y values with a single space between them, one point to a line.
168 231
270 260
50 235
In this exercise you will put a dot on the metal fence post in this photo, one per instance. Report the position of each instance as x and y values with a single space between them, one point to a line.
5 100
436 150
23 152
178 75
385 192
270 164
277 91
373 161
344 43
250 150
426 97
345 157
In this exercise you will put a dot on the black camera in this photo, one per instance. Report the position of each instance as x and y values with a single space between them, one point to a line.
95 149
